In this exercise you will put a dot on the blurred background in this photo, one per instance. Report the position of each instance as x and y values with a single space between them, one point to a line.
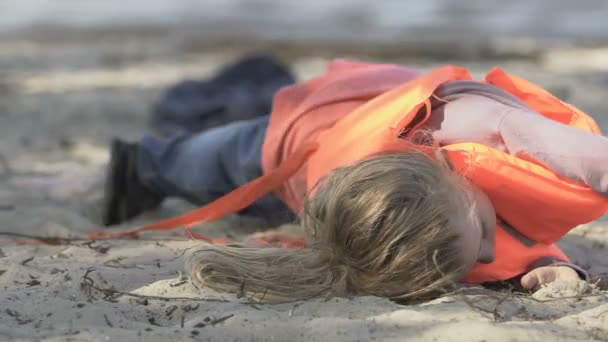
387 20
74 73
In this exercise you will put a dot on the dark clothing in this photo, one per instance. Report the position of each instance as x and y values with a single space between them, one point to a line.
240 91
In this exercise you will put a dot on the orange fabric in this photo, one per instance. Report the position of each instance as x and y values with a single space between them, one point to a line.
356 110
378 124
542 101
303 111
512 259
540 204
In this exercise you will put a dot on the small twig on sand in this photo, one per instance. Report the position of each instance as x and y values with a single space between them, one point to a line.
17 316
108 321
117 263
190 307
33 282
170 310
12 313
97 248
210 320
26 261
152 321
221 319
181 280
600 281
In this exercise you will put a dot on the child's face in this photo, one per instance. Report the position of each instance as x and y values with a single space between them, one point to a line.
478 232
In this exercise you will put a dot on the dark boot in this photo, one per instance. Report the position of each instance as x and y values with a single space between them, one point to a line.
125 196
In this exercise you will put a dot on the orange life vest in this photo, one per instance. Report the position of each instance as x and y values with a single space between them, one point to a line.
530 199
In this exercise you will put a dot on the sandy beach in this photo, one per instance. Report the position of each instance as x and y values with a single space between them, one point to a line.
60 103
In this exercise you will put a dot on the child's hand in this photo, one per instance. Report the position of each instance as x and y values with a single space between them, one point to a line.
547 274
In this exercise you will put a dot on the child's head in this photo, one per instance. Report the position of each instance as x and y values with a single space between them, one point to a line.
395 225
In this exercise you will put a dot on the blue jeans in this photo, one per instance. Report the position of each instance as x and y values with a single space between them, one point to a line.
205 166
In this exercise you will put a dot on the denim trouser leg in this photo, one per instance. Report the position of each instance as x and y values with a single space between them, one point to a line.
202 167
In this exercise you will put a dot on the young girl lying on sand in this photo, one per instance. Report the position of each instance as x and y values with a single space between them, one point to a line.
404 183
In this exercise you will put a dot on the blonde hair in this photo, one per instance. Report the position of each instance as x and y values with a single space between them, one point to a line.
379 227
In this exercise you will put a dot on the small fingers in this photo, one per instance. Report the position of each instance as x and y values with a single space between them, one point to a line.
529 281
539 276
